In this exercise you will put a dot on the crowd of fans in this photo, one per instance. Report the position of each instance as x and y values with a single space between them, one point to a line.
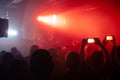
93 61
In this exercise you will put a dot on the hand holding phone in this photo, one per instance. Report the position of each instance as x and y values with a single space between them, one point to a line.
109 38
84 41
97 41
90 40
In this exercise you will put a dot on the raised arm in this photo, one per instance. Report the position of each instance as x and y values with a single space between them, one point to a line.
98 42
84 41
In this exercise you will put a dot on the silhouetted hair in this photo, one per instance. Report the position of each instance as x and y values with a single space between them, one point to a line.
33 48
13 49
19 70
8 57
41 62
73 60
97 58
118 52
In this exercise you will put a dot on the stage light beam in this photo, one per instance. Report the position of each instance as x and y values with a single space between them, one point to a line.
54 19
44 19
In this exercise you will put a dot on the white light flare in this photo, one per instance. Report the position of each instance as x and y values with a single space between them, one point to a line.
54 19
44 19
64 21
12 32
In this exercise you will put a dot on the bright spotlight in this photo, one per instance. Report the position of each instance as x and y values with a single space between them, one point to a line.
54 19
64 21
44 19
39 18
12 32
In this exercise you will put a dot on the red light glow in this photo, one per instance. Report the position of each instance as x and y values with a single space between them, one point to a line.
90 20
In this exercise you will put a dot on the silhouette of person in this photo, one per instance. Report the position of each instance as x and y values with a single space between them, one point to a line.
74 65
18 70
41 65
17 54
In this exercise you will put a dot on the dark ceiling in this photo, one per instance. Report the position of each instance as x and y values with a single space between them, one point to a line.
63 3
5 1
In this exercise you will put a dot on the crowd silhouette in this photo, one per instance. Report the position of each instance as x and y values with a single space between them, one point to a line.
95 61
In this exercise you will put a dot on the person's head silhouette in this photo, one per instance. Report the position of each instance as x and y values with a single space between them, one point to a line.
41 63
73 60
